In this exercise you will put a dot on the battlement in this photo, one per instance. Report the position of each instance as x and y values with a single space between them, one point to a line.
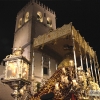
40 4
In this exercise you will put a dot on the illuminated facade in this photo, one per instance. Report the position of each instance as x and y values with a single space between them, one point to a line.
33 20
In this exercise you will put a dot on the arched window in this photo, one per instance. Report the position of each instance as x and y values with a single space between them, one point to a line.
49 22
26 17
20 23
39 16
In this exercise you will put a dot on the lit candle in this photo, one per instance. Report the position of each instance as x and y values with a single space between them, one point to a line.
87 74
66 79
79 72
57 86
62 78
81 78
63 69
74 82
79 68
71 63
21 91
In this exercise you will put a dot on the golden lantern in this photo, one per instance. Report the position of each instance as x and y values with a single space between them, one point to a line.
16 72
16 68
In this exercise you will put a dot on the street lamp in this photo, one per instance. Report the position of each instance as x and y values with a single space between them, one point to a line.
16 72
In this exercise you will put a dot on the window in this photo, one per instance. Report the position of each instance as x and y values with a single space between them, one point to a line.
49 22
39 16
45 70
45 64
20 23
26 17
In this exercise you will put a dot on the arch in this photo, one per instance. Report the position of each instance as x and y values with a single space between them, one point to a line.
20 23
49 22
39 16
26 17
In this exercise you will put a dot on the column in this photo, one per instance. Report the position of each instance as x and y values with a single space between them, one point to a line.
56 66
33 65
91 66
86 63
49 68
42 67
74 54
95 68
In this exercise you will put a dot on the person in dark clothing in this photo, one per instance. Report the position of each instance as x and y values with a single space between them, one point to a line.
48 96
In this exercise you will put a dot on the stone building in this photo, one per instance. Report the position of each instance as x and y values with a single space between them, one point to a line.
33 20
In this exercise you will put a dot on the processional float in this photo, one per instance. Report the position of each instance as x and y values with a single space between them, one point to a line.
78 70
77 73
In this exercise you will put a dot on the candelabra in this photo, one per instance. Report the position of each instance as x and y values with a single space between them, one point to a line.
80 87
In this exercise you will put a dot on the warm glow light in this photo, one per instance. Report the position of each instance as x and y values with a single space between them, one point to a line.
88 75
66 79
74 82
27 16
39 16
71 63
57 86
10 65
25 71
81 78
12 70
21 91
24 87
49 22
62 78
20 23
24 74
63 69
79 68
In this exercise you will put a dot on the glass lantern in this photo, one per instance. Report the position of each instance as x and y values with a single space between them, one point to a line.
16 72
16 68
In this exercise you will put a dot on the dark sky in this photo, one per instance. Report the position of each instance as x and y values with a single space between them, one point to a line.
83 13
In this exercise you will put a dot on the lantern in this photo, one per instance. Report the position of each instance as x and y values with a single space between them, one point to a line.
16 72
16 67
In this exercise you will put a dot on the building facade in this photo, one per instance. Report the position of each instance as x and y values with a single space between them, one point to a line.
33 20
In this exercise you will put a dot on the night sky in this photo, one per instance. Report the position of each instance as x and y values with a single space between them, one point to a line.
84 15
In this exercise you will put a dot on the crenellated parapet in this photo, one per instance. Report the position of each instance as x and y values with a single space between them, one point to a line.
43 6
39 3
38 11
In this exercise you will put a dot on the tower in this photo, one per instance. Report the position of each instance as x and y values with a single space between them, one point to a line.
33 20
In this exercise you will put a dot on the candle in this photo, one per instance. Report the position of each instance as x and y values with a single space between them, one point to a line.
63 69
71 63
66 79
21 91
79 68
62 78
87 74
79 72
74 82
57 86
81 78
